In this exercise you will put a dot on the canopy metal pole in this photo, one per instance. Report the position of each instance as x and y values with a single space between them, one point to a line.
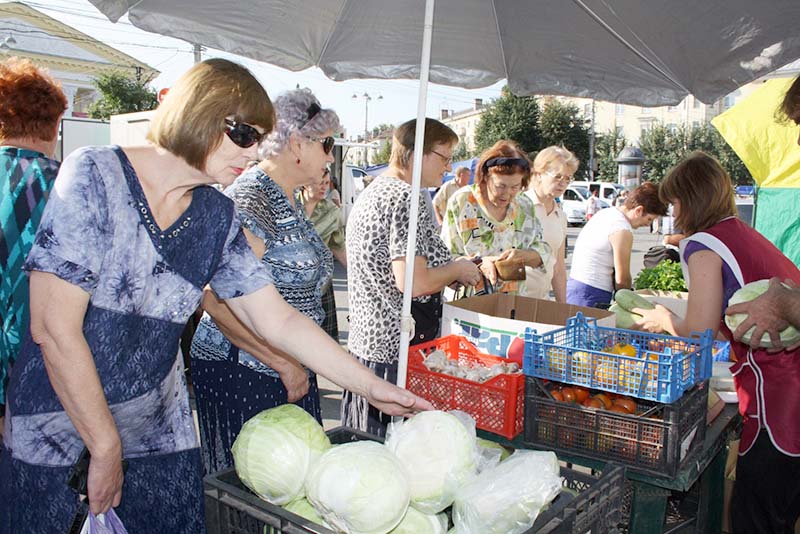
406 321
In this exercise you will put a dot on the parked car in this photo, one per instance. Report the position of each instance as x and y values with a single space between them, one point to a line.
608 191
573 202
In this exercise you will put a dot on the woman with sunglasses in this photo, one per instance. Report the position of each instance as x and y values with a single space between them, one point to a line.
236 374
553 169
491 220
128 240
377 237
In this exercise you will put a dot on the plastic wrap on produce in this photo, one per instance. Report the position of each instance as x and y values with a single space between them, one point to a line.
507 498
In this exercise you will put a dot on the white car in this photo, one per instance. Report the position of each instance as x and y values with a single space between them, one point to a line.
573 202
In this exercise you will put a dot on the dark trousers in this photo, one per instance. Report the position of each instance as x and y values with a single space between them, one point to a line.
766 497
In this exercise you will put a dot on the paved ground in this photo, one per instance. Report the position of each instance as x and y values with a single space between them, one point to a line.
332 394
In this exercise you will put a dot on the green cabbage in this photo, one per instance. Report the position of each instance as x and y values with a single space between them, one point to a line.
789 336
304 509
359 488
440 455
274 451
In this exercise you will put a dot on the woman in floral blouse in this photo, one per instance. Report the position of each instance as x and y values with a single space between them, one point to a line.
492 220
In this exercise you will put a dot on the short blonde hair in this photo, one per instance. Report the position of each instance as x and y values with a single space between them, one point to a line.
553 156
190 122
704 190
436 133
503 149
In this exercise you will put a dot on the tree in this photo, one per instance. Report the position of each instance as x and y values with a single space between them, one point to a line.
607 147
381 128
382 156
664 148
462 152
120 93
510 117
562 124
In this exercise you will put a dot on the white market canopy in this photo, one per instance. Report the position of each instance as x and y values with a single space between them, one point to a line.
642 52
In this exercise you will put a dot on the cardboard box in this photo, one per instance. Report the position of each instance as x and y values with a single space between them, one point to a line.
494 322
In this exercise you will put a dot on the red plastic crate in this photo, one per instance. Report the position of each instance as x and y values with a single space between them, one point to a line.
497 404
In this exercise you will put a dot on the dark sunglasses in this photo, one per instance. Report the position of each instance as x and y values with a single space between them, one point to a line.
243 135
327 142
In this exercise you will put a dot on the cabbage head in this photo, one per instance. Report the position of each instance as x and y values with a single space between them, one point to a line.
789 336
507 498
304 509
440 455
274 451
359 488
415 522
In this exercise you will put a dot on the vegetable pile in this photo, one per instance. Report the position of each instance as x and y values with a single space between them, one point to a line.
438 362
666 276
429 463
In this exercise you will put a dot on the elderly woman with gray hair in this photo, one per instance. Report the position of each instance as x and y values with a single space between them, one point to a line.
235 374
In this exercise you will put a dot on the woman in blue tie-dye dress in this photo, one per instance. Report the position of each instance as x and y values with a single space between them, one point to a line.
129 239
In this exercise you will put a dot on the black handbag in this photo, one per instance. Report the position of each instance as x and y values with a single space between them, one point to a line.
659 253
427 318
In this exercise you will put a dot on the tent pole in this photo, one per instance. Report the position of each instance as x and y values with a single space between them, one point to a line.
406 321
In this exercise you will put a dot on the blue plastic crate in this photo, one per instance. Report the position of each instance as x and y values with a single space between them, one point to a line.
661 370
721 351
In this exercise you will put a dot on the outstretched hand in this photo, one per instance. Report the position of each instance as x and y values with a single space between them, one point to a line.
393 400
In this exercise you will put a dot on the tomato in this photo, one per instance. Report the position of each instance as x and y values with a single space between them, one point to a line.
593 403
627 404
602 397
616 408
556 394
581 394
569 394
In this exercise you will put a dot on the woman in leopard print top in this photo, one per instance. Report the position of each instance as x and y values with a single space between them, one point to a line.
377 236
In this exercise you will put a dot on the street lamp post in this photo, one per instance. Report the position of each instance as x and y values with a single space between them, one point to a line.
366 96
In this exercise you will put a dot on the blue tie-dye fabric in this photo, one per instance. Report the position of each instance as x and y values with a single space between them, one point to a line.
98 233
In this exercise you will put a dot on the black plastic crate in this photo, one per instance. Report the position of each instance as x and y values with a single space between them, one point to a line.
650 443
232 509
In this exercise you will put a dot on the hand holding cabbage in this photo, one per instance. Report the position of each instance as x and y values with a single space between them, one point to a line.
766 314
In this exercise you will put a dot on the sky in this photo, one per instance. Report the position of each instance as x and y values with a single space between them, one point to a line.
172 57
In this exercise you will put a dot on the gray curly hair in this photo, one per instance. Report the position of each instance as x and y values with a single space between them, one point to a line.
292 110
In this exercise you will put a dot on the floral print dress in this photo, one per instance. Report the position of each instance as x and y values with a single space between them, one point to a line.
98 233
469 230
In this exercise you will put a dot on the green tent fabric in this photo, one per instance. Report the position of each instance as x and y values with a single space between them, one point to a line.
778 218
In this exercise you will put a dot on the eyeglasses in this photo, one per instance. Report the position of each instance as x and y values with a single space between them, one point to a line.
447 159
243 135
502 188
565 178
327 142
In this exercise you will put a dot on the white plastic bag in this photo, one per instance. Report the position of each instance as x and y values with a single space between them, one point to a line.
507 498
107 523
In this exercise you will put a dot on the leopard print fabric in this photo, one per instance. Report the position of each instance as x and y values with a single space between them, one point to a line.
377 233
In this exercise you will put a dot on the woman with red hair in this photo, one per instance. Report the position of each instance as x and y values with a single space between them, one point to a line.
32 106
491 220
